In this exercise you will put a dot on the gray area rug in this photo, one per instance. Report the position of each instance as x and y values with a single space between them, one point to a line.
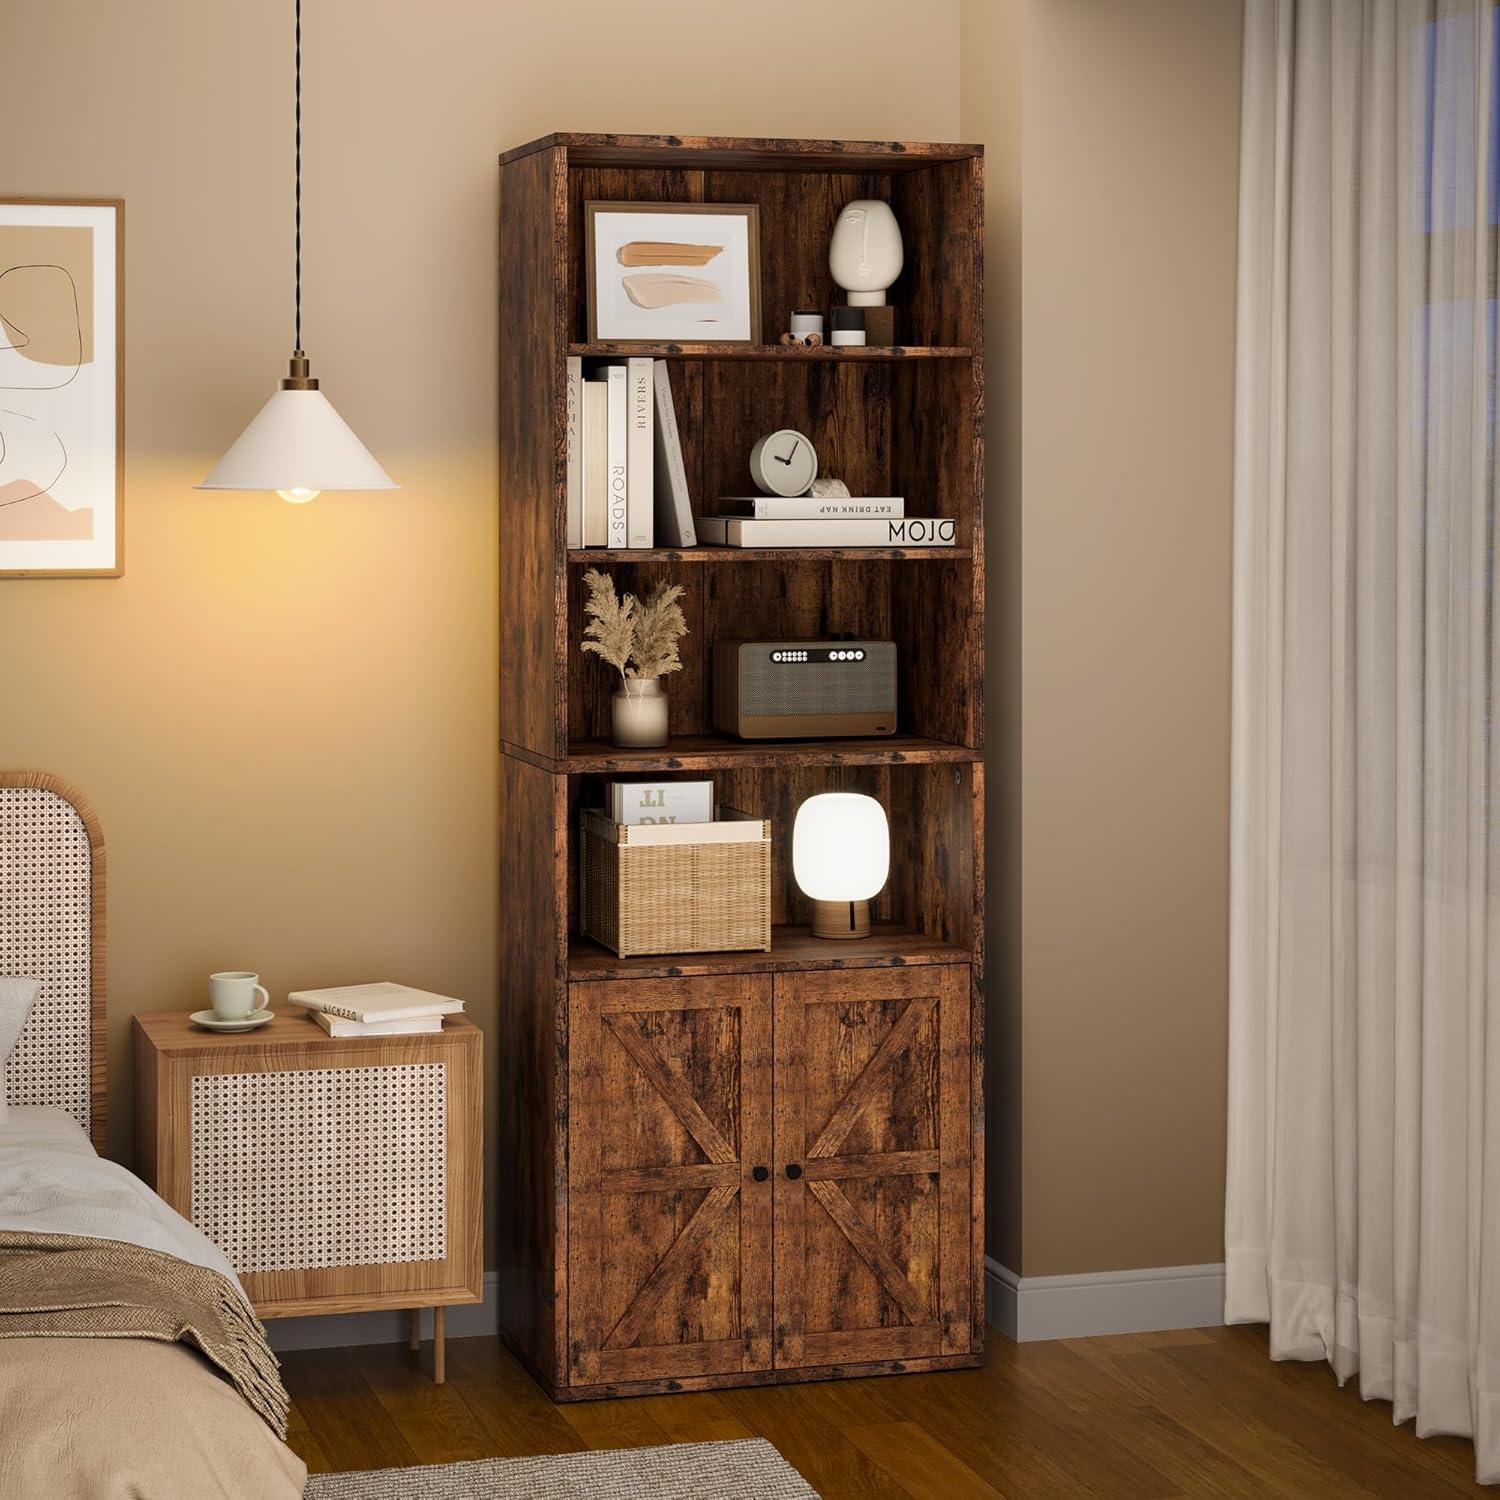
750 1469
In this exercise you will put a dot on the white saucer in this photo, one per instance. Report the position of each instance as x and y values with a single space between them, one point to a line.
210 1022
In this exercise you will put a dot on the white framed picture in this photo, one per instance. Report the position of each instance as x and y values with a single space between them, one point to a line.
61 387
669 273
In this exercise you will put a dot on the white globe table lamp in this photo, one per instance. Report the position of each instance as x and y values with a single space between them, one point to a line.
841 855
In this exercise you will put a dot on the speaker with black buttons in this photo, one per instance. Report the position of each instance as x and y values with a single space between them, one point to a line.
784 690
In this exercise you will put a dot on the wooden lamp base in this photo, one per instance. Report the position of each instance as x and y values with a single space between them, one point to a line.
841 919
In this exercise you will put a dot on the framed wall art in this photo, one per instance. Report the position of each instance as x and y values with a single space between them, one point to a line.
62 387
661 273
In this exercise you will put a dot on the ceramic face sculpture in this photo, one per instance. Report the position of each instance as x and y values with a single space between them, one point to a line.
865 252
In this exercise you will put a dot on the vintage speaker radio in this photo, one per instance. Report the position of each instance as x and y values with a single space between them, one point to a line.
781 690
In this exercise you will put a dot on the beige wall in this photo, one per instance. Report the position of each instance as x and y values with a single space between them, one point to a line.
1120 399
286 716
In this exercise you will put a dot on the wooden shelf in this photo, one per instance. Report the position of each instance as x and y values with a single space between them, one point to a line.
707 553
709 752
889 945
744 154
825 353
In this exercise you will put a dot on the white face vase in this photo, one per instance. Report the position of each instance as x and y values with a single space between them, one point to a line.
865 252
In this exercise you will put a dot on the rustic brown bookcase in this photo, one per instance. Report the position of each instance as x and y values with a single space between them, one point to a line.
745 1168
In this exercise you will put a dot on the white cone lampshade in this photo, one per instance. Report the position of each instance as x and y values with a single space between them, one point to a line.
298 443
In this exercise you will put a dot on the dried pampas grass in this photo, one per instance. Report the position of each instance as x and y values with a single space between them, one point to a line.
638 640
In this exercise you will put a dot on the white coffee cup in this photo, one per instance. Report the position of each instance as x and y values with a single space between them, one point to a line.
236 994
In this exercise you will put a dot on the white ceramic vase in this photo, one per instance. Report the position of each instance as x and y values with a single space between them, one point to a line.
640 714
865 254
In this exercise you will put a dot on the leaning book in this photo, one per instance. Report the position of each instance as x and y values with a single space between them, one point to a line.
375 1002
674 506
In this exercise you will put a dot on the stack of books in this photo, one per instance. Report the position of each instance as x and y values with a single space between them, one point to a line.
815 521
626 480
376 1009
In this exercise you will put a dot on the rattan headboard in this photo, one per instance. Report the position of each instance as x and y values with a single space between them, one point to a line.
52 929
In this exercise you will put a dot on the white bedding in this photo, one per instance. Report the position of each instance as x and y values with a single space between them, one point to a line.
51 1182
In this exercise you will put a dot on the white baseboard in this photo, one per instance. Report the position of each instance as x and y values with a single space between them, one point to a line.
1022 1308
340 1330
1026 1308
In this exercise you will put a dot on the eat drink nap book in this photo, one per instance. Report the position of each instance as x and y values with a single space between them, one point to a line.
376 1002
810 508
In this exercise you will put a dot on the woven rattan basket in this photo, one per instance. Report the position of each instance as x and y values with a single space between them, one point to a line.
642 896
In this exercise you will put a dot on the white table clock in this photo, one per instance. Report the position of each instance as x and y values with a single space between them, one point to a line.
784 463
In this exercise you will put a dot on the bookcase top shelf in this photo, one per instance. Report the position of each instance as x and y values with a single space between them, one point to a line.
869 353
750 154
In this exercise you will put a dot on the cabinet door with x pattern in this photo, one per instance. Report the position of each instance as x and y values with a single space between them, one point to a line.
669 1191
874 1152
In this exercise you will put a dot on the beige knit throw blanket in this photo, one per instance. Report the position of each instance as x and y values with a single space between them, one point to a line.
69 1286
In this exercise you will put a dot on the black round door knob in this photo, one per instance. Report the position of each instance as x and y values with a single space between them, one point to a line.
761 1173
793 1171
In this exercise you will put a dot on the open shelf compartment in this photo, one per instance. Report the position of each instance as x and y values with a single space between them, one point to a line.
928 911
930 613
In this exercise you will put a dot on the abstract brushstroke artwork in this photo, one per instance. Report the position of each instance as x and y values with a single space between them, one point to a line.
60 349
666 253
673 272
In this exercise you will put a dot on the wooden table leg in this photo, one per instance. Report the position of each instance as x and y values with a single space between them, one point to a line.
437 1345
414 1329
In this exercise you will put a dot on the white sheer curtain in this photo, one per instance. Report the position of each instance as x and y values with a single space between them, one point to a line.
1363 1218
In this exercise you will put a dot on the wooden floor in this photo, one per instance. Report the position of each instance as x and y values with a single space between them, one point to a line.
1167 1414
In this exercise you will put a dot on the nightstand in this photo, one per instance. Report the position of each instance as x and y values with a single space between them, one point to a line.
337 1175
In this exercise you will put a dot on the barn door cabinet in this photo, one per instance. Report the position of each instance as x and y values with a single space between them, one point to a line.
768 1174
743 1168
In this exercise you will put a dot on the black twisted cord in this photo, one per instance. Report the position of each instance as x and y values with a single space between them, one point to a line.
299 179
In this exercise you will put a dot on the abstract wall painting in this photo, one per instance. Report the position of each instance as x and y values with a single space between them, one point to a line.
61 388
671 273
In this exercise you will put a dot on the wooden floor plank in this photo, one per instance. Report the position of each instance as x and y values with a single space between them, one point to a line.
1189 1413
1312 1386
1301 1408
309 1450
968 1418
506 1402
626 1423
919 1463
436 1421
342 1414
788 1418
697 1418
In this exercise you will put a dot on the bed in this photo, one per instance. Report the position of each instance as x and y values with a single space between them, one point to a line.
130 1361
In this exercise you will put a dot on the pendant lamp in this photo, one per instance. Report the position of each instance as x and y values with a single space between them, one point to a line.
298 445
